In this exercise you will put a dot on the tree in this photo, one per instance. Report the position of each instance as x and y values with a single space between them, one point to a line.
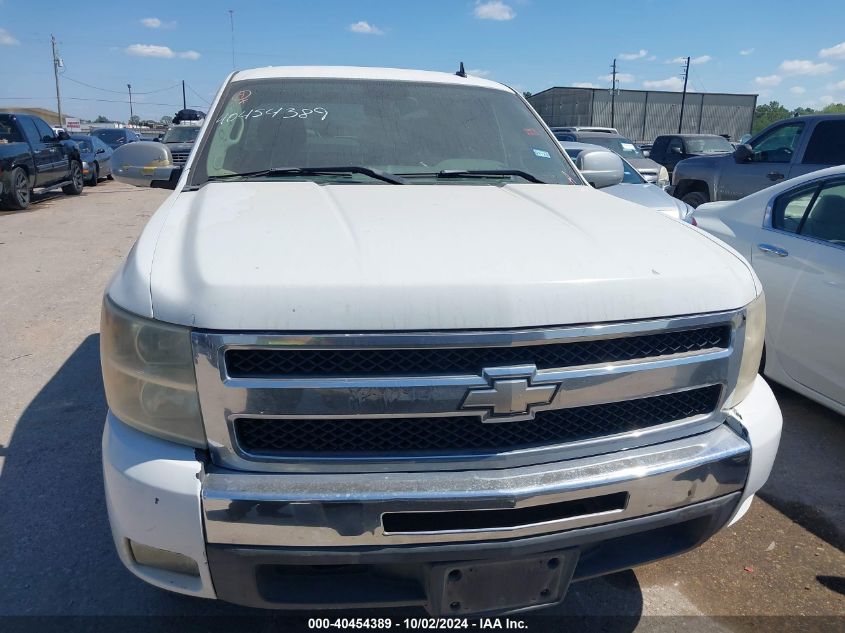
135 119
834 108
166 119
768 113
101 119
527 94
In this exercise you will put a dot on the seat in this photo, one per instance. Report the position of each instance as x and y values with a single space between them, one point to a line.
826 220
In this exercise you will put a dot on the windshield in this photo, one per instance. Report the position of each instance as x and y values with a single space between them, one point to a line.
418 130
708 145
112 137
187 134
618 144
84 144
631 177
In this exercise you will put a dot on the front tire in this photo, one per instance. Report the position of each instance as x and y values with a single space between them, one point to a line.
95 175
695 199
76 180
20 195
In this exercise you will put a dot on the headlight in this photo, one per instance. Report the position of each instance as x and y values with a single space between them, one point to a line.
662 178
148 374
752 349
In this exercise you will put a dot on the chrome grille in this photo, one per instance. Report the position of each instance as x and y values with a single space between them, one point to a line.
242 363
461 400
457 435
180 158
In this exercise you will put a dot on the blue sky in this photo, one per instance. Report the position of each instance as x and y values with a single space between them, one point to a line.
788 51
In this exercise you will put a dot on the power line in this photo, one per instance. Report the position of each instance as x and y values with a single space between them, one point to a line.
120 92
198 94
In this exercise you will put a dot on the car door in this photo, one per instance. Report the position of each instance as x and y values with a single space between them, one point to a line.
41 154
57 169
770 162
800 260
102 154
826 147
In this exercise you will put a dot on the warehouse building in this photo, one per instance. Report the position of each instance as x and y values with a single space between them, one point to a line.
643 115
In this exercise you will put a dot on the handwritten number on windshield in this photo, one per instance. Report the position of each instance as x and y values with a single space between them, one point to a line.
289 113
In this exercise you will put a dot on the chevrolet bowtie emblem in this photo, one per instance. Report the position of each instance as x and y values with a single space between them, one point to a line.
511 396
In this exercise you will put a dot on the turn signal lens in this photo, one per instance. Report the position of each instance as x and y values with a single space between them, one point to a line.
752 349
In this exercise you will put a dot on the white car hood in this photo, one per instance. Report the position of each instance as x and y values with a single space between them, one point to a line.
300 256
650 196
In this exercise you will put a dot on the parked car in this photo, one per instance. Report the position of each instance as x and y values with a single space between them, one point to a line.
633 186
180 140
96 158
783 150
33 156
669 149
375 351
114 137
625 148
793 233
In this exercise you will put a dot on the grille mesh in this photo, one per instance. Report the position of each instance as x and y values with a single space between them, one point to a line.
243 363
400 437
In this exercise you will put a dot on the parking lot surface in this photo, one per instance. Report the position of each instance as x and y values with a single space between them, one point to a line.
785 558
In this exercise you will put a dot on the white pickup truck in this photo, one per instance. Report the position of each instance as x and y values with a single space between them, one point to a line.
384 346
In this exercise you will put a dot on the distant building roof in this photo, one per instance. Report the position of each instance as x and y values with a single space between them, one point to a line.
50 116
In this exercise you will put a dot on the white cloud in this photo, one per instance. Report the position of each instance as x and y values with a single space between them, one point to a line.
493 10
797 90
622 78
631 56
701 59
7 39
768 80
479 72
839 85
746 51
156 23
805 67
365 28
834 52
670 83
162 52
584 84
826 99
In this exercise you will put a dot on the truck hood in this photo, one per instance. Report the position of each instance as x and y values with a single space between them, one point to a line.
304 257
651 196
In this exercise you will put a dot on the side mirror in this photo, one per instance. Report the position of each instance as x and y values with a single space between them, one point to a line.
63 136
743 153
600 168
676 150
145 164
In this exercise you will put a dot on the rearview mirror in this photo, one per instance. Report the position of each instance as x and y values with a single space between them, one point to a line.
600 168
145 164
743 152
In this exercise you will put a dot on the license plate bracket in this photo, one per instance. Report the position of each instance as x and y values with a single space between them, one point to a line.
489 587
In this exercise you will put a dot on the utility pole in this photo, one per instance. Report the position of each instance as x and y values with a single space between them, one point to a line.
57 63
131 113
613 94
184 103
232 29
683 95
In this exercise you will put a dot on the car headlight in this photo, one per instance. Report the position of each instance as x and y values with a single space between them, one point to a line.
752 349
662 178
148 375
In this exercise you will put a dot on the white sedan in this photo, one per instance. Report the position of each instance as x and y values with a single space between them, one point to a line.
793 234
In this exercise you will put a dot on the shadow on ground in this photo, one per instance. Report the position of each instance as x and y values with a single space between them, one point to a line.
58 557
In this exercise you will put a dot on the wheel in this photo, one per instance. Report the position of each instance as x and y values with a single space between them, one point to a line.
76 180
95 175
19 195
695 199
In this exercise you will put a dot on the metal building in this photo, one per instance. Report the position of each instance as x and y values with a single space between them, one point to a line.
644 114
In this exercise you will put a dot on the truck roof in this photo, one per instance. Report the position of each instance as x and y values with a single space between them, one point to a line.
364 72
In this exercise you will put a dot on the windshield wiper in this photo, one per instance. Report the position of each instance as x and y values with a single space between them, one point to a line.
377 174
479 173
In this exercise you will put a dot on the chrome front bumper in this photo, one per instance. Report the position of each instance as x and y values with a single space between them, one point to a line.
350 510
